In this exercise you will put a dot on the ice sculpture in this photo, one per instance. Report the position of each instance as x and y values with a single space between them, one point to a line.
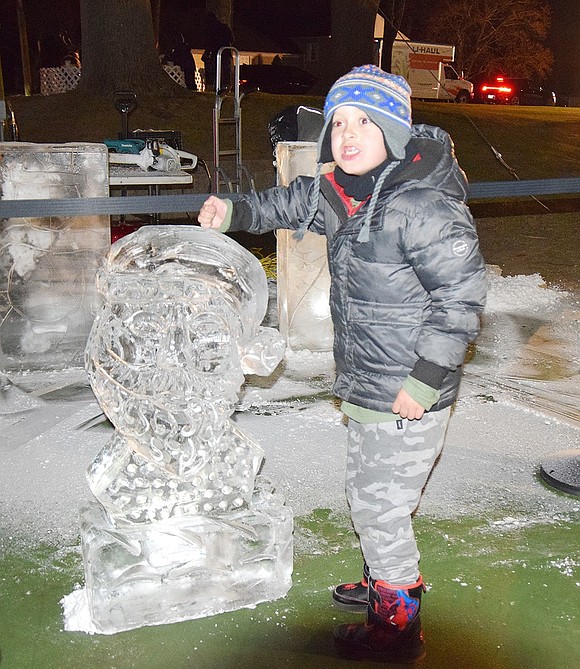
303 276
183 526
47 265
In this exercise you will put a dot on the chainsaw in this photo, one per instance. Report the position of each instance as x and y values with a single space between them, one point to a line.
148 154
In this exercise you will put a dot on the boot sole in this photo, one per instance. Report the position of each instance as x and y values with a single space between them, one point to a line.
358 607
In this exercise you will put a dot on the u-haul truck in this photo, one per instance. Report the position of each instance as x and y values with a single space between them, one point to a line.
429 70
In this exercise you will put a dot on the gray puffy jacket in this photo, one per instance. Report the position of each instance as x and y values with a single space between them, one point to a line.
408 300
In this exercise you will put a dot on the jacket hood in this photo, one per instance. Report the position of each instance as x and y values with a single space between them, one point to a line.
430 163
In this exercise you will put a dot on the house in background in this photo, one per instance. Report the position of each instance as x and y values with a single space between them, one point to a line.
312 45
263 29
299 42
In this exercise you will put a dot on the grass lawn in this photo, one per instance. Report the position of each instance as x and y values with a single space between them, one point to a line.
536 142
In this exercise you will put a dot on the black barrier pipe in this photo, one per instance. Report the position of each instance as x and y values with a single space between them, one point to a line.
145 204
502 189
163 204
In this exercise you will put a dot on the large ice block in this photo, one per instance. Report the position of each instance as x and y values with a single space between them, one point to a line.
48 265
303 276
180 529
186 567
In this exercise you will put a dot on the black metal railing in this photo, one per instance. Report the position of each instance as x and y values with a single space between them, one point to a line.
166 204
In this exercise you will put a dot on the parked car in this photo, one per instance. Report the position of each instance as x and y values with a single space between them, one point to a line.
511 91
281 79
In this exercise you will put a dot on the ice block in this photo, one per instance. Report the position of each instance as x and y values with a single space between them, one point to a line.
185 567
48 265
303 276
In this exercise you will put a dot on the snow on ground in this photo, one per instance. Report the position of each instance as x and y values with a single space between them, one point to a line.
519 402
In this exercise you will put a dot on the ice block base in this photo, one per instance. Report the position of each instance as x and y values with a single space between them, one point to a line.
185 568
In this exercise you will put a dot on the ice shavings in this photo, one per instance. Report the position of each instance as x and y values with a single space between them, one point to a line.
566 566
76 613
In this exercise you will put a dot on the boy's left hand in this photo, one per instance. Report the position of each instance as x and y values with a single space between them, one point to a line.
406 407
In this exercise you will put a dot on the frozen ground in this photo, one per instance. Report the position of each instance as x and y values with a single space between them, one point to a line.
519 403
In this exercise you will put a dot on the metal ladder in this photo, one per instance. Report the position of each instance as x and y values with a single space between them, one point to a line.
231 154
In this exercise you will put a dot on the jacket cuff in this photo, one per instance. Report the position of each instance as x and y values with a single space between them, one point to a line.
241 217
225 226
429 373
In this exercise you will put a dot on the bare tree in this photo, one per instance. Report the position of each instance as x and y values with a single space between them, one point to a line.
393 11
156 15
118 49
24 50
494 36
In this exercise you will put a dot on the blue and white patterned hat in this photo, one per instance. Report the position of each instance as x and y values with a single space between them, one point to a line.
385 97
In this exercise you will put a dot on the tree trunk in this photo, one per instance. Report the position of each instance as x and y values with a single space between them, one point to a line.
352 39
24 49
393 11
118 49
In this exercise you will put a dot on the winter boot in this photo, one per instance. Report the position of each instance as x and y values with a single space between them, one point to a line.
392 632
353 596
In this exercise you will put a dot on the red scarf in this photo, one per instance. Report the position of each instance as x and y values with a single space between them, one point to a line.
351 205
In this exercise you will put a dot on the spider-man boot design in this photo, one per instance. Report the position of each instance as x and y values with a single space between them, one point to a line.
392 632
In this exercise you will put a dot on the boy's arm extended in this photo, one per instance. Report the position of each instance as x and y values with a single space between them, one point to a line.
257 213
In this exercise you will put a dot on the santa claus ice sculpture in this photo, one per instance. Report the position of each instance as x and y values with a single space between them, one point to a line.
182 525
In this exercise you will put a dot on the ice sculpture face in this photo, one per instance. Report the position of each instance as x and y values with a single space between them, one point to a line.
166 358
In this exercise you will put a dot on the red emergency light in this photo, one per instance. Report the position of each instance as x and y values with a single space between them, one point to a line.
500 89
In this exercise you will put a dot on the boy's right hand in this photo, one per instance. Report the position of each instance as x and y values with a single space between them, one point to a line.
212 213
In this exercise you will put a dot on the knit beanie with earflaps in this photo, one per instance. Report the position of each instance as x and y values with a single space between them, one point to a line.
386 98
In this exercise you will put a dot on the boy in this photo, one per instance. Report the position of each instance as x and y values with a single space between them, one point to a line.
407 286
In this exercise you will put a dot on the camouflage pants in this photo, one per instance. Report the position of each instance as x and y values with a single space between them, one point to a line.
388 465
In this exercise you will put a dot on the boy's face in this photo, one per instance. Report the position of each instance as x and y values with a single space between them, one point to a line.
357 143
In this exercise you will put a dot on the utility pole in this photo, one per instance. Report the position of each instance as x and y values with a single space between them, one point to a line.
3 115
